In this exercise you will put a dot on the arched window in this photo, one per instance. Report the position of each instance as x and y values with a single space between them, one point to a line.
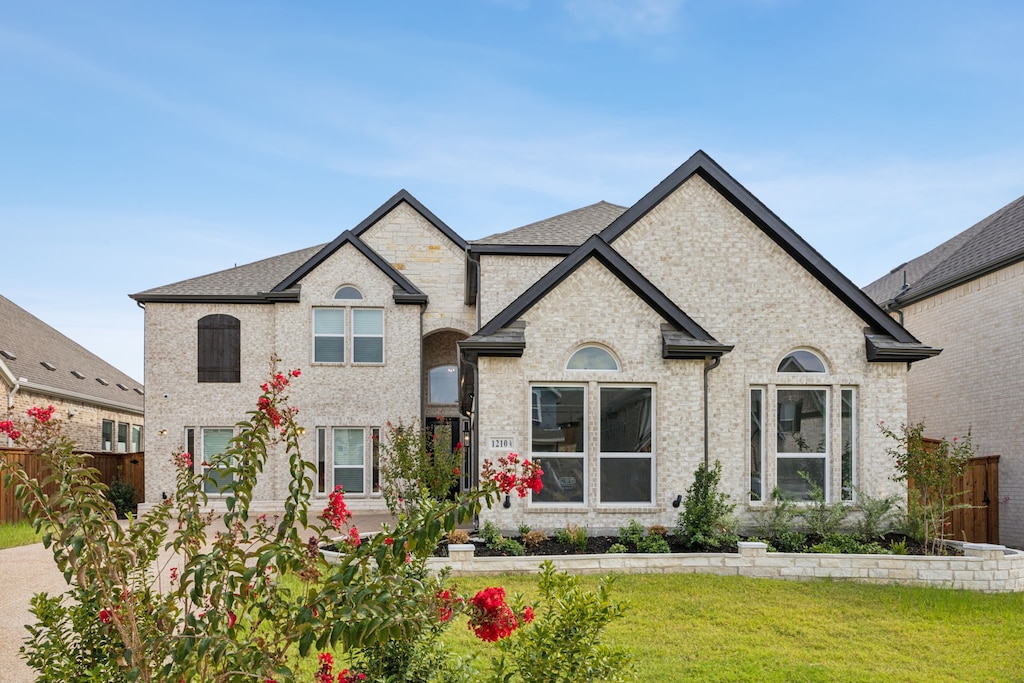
444 384
801 361
348 293
220 348
592 358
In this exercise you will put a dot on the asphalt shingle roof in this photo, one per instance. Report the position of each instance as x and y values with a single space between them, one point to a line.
245 280
992 243
572 228
26 342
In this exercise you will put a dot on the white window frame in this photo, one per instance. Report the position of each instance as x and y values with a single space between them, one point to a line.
826 455
584 347
197 448
650 456
381 336
851 495
343 335
536 414
326 467
760 415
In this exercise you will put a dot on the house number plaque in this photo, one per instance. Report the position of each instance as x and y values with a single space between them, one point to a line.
502 443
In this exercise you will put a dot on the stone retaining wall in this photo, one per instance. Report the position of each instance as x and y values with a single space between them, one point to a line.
983 567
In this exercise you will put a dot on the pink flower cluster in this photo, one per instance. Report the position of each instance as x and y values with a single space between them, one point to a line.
183 460
512 473
336 513
7 427
41 415
279 381
491 618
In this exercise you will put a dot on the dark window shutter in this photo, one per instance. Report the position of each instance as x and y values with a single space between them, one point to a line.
220 348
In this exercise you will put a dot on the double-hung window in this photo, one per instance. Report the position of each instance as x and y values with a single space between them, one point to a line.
626 445
558 434
107 436
341 458
212 442
329 335
341 334
367 335
803 437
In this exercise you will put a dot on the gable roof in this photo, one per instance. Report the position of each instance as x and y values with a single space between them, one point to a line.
885 339
26 343
569 230
683 337
990 244
276 279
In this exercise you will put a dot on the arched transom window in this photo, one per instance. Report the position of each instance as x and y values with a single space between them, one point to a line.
348 293
801 361
592 358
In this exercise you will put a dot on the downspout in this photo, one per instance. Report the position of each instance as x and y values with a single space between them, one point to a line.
709 365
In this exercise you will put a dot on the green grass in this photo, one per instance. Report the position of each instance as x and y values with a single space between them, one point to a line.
689 627
19 533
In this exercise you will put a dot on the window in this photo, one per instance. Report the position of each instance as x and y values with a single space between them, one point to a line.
107 443
848 445
443 383
219 349
626 462
367 332
341 459
801 361
756 444
557 436
348 293
136 438
329 335
592 358
367 335
802 441
213 441
122 437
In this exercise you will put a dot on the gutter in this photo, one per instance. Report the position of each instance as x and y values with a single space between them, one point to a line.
710 363
75 396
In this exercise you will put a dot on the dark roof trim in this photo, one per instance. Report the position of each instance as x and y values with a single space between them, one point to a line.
595 247
285 296
508 342
404 196
913 295
472 281
523 249
882 349
405 291
675 345
746 203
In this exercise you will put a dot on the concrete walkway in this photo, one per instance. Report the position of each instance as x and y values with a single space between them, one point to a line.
30 569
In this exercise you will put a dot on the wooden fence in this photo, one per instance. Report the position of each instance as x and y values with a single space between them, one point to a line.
128 467
978 520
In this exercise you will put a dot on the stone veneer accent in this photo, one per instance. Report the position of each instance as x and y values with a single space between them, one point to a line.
984 567
975 384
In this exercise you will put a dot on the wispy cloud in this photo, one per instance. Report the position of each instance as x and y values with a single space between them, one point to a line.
623 19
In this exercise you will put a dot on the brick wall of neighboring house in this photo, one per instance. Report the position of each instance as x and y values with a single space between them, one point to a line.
503 278
326 395
744 290
85 426
429 259
977 383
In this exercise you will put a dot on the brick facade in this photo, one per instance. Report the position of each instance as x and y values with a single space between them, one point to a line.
976 383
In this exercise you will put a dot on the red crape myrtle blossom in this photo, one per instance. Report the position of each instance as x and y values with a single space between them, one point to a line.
345 677
326 672
446 602
41 415
491 619
7 427
336 513
522 475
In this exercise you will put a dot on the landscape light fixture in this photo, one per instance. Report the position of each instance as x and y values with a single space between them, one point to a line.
678 501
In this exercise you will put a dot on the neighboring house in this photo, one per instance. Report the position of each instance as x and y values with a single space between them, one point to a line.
621 347
967 295
102 407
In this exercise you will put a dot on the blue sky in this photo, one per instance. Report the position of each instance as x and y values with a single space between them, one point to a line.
145 143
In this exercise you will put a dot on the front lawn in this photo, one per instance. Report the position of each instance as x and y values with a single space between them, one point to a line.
19 533
692 627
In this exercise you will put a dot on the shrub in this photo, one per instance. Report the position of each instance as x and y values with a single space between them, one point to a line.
508 546
458 536
631 534
418 465
563 643
704 521
490 533
658 530
617 548
845 543
898 547
876 514
773 522
121 495
930 471
524 529
574 535
534 538
822 518
653 544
